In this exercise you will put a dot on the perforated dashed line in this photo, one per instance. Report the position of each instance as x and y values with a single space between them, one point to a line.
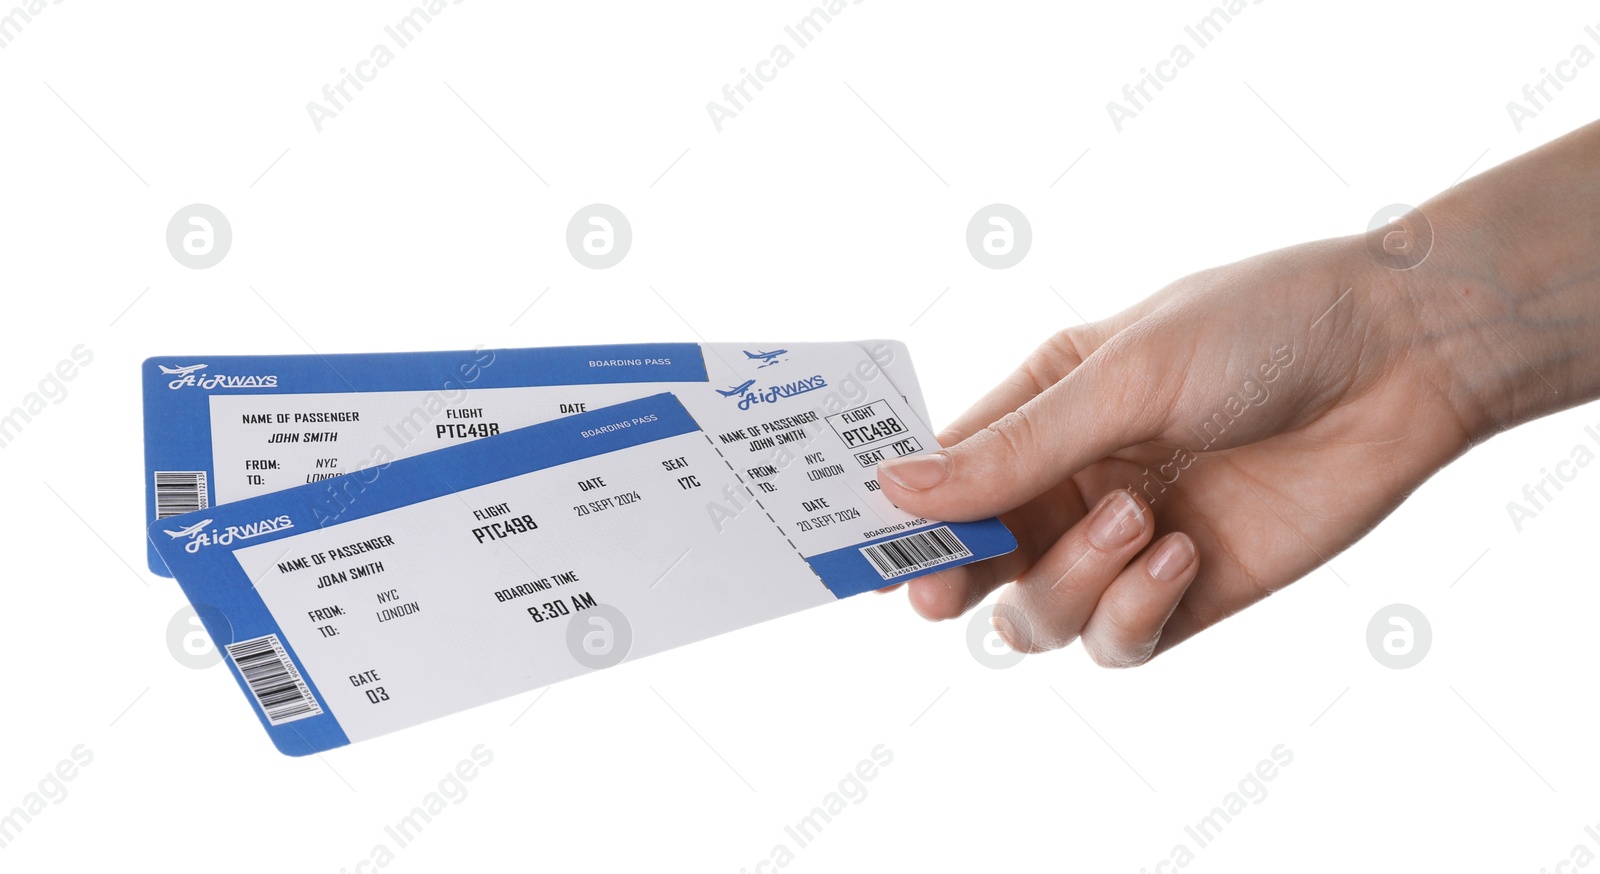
751 492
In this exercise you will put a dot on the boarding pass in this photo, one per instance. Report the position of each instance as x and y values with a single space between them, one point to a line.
223 428
494 566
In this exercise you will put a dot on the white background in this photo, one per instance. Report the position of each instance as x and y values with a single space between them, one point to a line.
417 219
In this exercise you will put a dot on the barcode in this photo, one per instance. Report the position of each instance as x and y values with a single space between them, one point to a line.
915 552
273 680
179 492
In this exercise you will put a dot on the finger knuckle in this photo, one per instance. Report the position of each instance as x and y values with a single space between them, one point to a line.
1015 433
1116 639
937 598
1117 654
1021 627
1053 360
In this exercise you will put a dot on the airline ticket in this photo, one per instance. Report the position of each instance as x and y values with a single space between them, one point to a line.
405 590
224 428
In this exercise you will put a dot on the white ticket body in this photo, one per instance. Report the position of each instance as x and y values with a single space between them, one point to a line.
224 428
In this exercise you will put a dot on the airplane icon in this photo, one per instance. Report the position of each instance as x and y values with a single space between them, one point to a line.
767 358
181 371
738 389
191 531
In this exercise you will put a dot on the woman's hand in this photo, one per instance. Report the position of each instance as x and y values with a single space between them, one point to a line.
1175 463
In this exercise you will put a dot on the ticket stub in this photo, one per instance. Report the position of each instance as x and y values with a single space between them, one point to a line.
224 428
456 577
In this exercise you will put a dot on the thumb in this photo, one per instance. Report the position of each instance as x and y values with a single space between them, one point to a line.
1092 412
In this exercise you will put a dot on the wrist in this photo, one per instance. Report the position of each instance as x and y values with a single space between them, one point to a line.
1505 305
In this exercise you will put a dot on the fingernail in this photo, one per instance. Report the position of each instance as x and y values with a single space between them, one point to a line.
1117 521
1171 558
917 472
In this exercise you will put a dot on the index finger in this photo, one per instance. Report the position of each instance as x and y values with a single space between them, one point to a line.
1045 366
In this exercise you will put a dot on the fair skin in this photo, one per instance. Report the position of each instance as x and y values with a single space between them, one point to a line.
1179 461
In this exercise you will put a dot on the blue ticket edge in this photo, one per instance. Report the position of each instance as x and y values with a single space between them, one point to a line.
177 407
228 605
